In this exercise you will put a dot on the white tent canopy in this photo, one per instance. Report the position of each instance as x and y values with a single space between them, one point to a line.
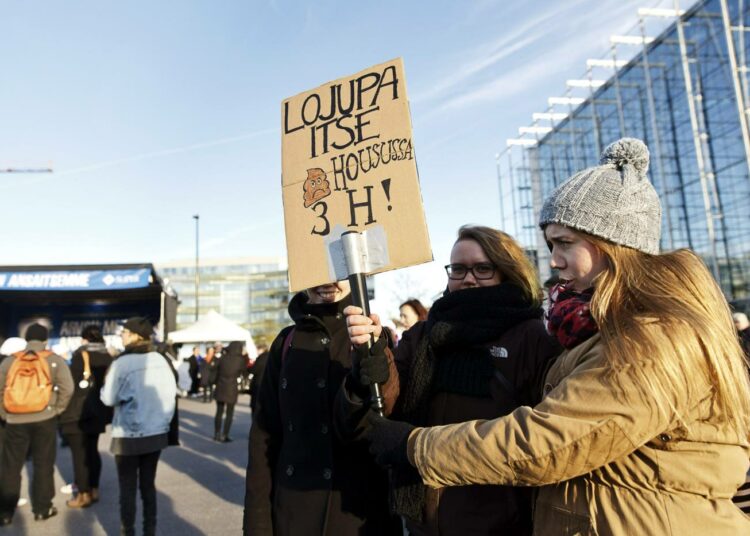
213 327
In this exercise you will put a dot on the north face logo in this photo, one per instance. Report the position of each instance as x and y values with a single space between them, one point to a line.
498 351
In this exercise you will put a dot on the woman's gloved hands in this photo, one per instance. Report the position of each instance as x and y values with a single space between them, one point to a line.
371 366
388 440
368 366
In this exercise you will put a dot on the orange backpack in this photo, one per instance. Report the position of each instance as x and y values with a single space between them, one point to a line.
28 385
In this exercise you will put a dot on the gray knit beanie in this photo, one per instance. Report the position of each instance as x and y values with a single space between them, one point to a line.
614 200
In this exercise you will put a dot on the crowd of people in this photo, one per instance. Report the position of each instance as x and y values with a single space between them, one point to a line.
135 392
628 414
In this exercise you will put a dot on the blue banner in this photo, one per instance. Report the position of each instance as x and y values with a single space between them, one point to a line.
76 280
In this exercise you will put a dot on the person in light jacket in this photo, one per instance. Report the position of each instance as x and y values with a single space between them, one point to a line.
140 385
645 421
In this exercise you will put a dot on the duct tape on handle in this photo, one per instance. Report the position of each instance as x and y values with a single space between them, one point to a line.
352 252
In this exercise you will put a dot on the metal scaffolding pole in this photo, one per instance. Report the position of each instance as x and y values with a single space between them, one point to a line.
542 253
500 189
743 59
656 145
677 162
618 96
512 190
527 206
697 144
594 118
742 112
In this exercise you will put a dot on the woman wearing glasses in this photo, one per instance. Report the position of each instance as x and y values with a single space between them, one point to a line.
645 422
480 354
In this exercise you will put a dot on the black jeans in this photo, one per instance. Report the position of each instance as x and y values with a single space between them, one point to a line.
138 471
227 422
39 438
87 463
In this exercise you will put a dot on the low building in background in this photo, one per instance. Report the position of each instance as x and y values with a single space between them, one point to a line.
251 291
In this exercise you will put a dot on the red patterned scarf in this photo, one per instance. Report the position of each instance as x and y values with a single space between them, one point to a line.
569 316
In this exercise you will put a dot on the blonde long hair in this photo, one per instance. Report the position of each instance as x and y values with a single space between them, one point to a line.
667 310
508 256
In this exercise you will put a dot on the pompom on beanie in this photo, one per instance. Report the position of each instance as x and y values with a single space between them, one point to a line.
614 200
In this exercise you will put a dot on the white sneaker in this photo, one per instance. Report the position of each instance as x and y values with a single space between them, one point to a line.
68 489
22 502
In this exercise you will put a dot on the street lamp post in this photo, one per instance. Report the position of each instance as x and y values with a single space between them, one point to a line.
197 218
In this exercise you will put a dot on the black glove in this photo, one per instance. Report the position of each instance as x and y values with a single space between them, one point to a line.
371 367
388 439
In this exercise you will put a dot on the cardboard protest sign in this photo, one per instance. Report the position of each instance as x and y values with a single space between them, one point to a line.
348 164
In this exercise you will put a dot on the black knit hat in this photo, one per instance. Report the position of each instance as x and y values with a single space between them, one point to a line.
37 332
140 326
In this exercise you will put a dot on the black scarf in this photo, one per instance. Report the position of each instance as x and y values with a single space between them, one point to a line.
139 347
453 357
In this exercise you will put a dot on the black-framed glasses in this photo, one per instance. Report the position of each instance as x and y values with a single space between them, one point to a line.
482 270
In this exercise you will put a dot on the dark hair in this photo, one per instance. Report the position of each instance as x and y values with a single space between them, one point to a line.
92 333
417 306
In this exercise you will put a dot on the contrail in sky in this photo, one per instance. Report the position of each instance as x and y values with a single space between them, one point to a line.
163 152
27 181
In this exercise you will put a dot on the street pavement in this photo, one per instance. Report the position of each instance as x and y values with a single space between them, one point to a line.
200 485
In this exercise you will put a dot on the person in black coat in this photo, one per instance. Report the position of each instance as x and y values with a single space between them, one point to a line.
257 370
302 478
230 368
193 361
86 416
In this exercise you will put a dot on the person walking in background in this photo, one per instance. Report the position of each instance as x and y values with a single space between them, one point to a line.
141 387
481 354
208 374
31 414
194 361
301 477
645 423
411 312
229 370
86 416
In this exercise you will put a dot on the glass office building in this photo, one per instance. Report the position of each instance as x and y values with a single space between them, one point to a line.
685 93
251 291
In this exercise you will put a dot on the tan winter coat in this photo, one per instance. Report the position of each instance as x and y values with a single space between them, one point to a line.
608 462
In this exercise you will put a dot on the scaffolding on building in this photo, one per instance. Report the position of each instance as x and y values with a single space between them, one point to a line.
685 92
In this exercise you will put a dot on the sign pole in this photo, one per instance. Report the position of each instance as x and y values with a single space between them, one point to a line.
356 262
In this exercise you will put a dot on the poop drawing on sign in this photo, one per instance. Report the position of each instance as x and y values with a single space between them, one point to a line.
316 186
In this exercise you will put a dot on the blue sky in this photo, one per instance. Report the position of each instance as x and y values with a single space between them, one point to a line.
150 112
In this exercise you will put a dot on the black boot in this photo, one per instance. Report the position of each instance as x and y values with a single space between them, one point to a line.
127 531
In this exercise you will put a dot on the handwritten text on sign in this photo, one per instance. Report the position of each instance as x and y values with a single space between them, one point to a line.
348 158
